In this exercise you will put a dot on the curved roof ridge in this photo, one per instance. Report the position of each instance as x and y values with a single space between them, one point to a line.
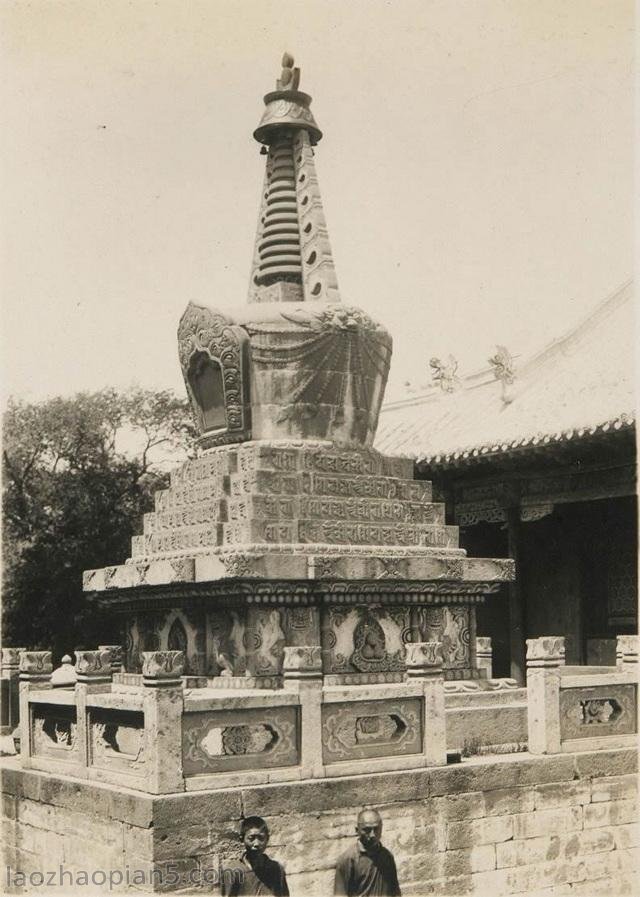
602 310
577 386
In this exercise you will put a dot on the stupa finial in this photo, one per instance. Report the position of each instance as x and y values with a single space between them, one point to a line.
292 260
290 77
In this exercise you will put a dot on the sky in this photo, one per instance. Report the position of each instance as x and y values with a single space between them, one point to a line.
476 172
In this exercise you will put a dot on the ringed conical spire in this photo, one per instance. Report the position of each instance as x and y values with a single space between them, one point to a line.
292 257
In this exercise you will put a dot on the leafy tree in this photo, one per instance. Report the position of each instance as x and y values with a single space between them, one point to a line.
78 474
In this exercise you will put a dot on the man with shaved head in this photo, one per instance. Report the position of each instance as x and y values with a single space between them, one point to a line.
367 868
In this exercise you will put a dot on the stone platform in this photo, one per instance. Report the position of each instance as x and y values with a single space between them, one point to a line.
491 825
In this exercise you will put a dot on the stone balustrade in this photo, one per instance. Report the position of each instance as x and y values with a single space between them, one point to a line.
164 733
161 736
579 708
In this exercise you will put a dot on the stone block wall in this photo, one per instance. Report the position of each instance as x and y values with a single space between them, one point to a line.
50 822
502 825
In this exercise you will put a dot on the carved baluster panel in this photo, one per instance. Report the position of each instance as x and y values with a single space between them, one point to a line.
597 711
224 741
357 730
54 733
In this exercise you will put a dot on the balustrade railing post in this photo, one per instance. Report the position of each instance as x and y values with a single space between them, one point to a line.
627 652
116 653
35 670
424 664
10 685
484 656
163 709
302 673
545 656
93 675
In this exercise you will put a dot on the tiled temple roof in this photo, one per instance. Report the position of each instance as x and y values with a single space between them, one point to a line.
579 386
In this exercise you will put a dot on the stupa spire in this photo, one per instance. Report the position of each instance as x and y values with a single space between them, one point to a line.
292 258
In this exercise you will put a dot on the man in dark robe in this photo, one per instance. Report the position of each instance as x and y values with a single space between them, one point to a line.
367 868
255 872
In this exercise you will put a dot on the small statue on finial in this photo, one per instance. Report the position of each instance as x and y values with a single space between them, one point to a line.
290 76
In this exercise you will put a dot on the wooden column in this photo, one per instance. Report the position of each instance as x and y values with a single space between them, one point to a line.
517 610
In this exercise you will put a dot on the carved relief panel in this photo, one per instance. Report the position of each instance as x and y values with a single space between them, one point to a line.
302 625
54 733
226 652
176 630
601 710
221 741
214 355
131 645
361 729
364 639
455 637
264 641
117 741
449 625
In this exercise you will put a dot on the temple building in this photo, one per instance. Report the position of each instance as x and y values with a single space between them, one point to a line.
536 459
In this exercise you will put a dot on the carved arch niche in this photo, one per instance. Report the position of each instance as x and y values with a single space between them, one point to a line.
184 631
214 356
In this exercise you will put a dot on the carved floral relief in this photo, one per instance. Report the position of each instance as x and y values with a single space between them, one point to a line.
219 741
599 710
360 729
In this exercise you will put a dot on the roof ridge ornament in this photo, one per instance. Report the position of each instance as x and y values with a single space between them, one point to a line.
503 365
444 373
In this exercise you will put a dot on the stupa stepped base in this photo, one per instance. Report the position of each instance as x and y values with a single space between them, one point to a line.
295 510
260 546
294 493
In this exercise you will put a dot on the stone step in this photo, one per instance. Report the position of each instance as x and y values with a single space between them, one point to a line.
323 459
362 510
251 456
269 482
209 465
188 538
261 506
185 516
373 486
271 531
339 532
302 483
296 561
189 494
